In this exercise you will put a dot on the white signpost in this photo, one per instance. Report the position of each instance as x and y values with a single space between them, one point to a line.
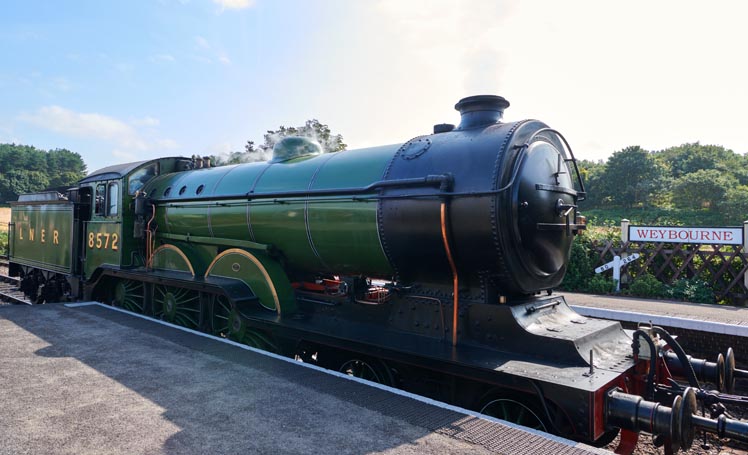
616 265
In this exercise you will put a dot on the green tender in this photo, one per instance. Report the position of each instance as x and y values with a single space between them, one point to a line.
41 235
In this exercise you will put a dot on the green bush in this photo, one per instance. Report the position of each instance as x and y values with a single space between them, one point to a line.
3 243
580 275
691 290
580 268
646 285
601 285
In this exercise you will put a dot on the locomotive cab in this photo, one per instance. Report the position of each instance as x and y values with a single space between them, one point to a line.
109 195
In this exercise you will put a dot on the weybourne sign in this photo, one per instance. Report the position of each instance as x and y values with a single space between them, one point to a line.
677 234
699 235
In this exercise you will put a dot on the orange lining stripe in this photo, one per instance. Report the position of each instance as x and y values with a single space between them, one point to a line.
178 251
455 278
257 263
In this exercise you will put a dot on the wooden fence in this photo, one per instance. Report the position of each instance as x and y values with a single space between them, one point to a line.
723 267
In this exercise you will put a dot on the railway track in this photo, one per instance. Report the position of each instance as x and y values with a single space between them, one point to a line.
9 292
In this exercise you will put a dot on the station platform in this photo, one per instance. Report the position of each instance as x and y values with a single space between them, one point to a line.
724 319
88 379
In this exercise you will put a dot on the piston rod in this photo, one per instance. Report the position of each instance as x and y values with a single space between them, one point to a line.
723 426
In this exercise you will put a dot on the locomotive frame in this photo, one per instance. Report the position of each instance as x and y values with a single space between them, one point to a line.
312 256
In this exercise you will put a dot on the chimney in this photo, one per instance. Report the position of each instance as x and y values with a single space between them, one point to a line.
480 110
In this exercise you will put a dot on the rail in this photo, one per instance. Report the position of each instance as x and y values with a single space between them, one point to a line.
10 292
9 286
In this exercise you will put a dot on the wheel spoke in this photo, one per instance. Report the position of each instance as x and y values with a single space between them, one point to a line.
178 305
220 315
129 295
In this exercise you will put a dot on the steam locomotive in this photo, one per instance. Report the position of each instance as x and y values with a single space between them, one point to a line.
428 265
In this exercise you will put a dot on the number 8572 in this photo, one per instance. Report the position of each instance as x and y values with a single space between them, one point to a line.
103 240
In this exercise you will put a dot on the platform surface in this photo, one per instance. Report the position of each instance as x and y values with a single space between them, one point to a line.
90 380
725 319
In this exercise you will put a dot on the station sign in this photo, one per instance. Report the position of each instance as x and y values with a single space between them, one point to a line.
678 234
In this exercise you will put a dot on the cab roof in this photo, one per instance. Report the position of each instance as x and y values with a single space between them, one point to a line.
113 172
118 171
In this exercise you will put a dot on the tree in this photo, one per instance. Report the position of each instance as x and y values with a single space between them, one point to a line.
26 169
734 206
701 189
20 181
592 173
688 158
632 178
65 167
313 129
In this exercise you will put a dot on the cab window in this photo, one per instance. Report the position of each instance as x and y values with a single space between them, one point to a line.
107 199
112 198
140 177
100 200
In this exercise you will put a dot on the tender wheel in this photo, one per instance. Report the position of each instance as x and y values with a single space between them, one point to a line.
515 409
129 295
177 305
368 369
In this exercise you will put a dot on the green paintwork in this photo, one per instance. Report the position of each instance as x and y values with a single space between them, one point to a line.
169 258
102 244
263 275
319 235
129 249
41 235
345 233
191 239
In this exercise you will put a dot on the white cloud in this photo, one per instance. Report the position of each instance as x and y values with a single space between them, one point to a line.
234 4
88 125
128 141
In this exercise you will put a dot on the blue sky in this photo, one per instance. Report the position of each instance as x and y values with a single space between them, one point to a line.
124 81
